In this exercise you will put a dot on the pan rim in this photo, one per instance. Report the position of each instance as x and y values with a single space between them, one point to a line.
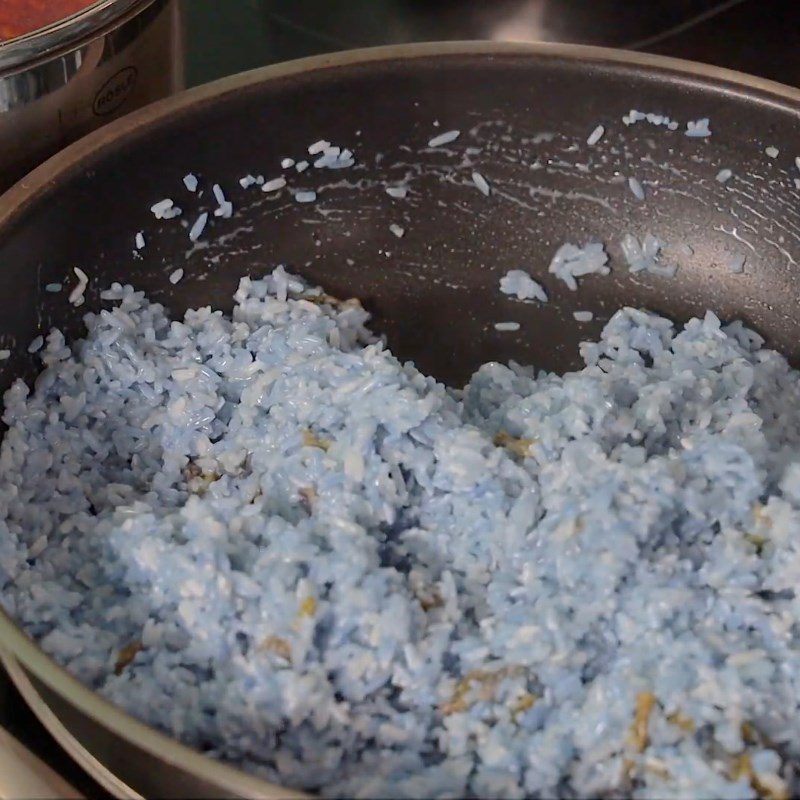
14 203
17 197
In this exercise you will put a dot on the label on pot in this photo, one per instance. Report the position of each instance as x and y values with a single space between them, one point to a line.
115 91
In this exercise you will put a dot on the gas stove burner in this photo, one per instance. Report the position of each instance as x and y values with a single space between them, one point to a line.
614 23
738 34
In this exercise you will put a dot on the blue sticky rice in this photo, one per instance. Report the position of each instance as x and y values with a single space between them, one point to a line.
268 537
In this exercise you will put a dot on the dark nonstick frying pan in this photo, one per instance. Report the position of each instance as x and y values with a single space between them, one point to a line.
524 113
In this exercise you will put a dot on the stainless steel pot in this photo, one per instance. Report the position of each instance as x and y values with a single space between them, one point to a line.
65 80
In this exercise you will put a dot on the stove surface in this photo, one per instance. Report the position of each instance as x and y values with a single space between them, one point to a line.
226 37
28 746
758 36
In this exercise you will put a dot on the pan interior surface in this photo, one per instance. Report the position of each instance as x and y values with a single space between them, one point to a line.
523 119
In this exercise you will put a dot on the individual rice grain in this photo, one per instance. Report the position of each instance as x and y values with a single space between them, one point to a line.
507 327
77 295
481 184
444 138
274 185
36 345
596 135
199 226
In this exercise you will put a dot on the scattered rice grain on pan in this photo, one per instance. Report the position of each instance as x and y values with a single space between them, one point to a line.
633 116
507 327
199 226
518 283
335 158
583 316
161 208
301 166
36 345
219 195
325 160
397 192
724 175
444 138
698 129
305 196
139 241
318 147
190 182
224 210
645 255
572 262
398 230
481 184
247 181
78 295
772 151
287 163
176 276
274 185
53 288
5 355
596 135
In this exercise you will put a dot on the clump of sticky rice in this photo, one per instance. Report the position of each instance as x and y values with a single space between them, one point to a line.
644 255
572 262
518 283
